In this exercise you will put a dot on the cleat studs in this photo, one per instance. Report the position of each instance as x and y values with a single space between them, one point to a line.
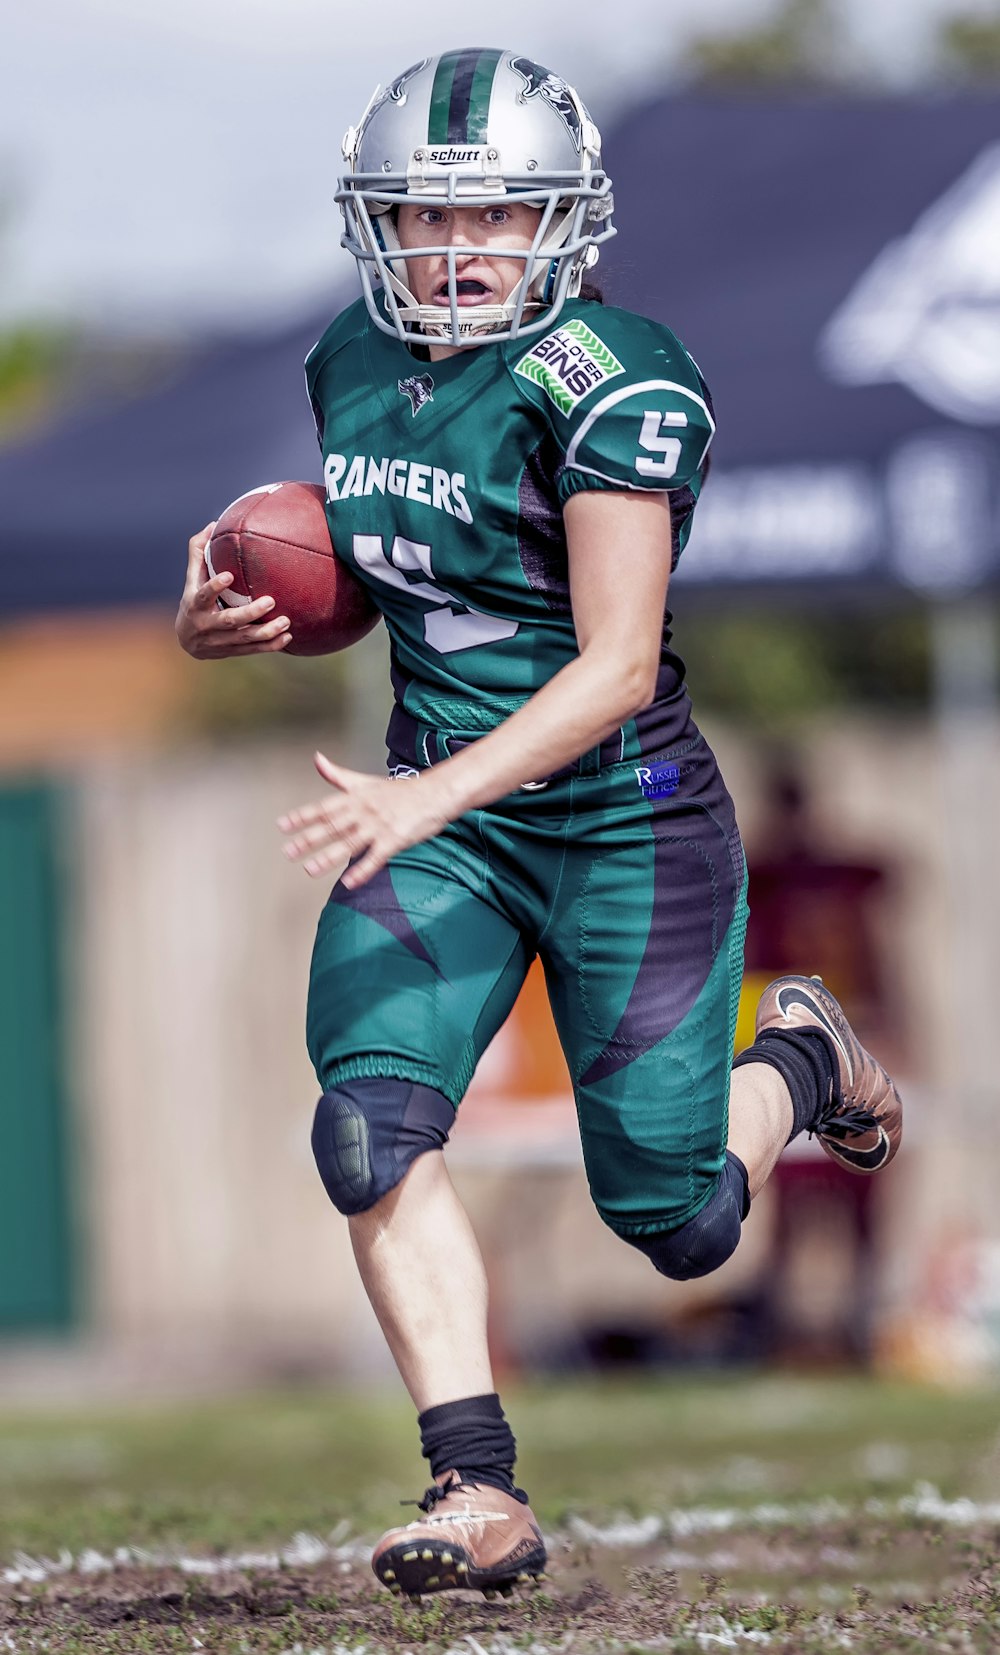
410 1557
433 1580
461 1568
449 1580
427 1556
446 1557
388 1574
506 1590
489 1593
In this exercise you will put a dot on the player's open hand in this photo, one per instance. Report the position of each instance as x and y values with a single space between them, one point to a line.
211 633
364 822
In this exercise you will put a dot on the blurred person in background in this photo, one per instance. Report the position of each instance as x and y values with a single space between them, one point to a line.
810 900
511 469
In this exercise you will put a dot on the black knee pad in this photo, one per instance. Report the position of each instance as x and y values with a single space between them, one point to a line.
707 1240
367 1133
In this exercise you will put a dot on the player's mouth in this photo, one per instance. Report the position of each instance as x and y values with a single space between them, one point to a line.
468 291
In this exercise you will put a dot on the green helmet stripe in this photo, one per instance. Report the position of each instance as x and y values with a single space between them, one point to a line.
460 97
479 97
437 129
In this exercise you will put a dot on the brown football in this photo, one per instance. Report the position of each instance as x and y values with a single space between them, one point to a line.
276 543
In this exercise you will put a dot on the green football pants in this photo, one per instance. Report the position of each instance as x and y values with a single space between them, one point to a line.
630 884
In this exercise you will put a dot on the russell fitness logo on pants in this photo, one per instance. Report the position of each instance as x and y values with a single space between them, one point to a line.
658 781
569 364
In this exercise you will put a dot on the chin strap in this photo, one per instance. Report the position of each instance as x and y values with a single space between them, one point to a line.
482 319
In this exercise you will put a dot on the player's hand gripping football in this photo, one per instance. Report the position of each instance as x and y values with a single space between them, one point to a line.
213 634
367 820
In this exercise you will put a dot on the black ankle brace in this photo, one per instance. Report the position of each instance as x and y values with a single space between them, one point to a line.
806 1064
471 1436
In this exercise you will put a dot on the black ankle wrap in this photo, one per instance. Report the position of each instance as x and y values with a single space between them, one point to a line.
806 1064
471 1436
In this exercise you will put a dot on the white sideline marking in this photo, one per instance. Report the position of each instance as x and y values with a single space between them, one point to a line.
730 1637
307 1550
925 1501
624 1531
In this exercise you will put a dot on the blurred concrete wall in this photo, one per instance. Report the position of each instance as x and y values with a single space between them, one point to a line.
205 1223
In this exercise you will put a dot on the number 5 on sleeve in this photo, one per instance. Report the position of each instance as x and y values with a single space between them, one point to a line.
669 448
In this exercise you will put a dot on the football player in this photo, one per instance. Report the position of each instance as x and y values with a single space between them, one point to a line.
511 469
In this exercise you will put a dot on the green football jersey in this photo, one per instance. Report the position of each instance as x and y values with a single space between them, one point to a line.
446 481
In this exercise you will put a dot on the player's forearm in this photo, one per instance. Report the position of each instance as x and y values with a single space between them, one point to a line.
587 700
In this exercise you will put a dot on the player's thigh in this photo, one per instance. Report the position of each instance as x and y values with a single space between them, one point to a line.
655 923
413 972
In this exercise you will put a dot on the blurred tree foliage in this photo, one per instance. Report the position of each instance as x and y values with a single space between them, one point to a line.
32 358
802 44
33 355
761 667
970 45
808 43
257 693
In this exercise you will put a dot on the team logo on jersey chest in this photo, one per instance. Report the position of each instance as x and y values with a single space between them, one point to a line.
420 390
568 364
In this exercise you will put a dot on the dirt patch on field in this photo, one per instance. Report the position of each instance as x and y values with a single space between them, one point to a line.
863 1586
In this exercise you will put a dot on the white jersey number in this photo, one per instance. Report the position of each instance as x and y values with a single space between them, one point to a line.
668 448
451 624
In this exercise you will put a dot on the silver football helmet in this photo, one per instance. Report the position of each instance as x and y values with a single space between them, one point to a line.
469 129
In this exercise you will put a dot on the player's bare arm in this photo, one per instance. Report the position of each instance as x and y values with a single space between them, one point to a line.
619 625
213 634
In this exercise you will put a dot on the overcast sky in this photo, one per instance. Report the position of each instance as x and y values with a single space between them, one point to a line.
172 167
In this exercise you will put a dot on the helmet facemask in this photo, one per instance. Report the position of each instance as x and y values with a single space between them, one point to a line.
574 205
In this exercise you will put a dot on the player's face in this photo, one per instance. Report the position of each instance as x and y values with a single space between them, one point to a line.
482 278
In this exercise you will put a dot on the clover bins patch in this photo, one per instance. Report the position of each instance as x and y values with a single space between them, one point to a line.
568 364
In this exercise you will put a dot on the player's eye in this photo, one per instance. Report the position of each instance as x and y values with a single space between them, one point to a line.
432 215
498 215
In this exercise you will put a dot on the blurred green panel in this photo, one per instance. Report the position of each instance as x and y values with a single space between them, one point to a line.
35 1278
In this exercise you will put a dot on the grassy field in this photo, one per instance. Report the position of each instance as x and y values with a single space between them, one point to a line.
683 1515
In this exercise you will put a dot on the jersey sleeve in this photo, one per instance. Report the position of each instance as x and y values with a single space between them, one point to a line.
628 405
319 362
315 363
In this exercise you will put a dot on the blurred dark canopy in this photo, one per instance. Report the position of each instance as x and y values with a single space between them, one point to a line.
833 266
98 510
